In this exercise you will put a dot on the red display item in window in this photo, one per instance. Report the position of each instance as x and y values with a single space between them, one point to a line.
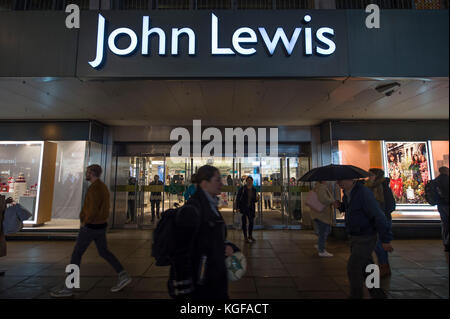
397 187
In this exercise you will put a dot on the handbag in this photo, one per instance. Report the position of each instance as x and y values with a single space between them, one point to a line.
13 219
312 201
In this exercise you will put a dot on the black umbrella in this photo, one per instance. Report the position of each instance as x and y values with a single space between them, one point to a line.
334 172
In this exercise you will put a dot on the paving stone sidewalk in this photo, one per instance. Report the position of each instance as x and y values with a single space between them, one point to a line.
282 264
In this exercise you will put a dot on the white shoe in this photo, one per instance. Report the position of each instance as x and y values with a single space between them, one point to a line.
61 292
325 254
124 280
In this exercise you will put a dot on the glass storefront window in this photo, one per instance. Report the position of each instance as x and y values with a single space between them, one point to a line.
47 178
69 180
409 166
440 153
20 173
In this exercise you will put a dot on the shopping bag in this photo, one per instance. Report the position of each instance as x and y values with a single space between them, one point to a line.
237 220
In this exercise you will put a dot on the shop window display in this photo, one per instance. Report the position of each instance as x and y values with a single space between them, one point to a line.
409 170
19 173
408 165
46 178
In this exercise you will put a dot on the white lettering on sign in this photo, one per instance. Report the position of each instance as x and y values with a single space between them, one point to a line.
243 40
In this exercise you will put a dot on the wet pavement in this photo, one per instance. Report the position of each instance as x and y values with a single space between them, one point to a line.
282 264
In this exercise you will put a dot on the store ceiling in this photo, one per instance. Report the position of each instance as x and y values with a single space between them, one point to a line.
221 102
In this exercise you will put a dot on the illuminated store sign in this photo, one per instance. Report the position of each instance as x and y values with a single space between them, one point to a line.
244 40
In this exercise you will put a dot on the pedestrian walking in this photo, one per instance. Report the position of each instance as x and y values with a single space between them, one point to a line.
379 185
198 271
246 200
323 219
93 217
443 202
364 219
155 197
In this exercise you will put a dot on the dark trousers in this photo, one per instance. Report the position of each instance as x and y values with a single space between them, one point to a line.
155 207
361 248
443 211
130 213
250 218
267 203
85 237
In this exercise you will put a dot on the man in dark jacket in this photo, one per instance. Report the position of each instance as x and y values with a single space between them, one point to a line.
198 271
442 182
364 219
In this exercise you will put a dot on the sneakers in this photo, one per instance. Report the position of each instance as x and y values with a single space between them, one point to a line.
325 254
61 292
124 280
252 239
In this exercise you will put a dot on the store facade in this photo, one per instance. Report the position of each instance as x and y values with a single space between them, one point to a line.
315 45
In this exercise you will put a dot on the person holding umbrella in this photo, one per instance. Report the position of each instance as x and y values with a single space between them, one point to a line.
365 222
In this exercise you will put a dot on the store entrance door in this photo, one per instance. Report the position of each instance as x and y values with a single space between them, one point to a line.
147 185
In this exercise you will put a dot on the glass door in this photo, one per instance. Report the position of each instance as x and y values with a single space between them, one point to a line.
272 211
296 167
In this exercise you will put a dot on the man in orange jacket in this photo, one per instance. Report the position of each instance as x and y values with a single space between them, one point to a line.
93 218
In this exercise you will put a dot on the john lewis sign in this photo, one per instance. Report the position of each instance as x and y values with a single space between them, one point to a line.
224 44
243 40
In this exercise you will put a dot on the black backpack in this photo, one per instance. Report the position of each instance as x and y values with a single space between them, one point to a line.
163 246
432 193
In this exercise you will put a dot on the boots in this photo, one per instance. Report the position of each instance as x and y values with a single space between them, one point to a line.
385 270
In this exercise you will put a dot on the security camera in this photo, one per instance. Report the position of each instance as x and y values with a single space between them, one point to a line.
388 89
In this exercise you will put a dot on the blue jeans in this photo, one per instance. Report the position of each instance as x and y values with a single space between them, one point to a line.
382 255
323 230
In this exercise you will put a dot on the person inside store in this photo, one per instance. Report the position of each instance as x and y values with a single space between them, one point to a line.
364 220
246 200
379 185
131 208
229 184
93 218
267 195
198 271
155 197
3 202
191 189
442 182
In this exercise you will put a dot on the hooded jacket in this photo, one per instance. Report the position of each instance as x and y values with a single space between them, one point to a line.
363 215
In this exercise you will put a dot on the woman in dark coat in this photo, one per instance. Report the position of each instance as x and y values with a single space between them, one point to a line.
246 201
198 271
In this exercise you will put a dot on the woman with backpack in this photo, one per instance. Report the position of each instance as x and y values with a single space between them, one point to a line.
198 270
379 185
